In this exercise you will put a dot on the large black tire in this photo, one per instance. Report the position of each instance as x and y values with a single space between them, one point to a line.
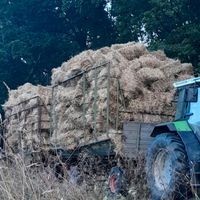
168 168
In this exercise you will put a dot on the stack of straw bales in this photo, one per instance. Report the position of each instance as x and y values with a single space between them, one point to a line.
140 88
130 84
27 121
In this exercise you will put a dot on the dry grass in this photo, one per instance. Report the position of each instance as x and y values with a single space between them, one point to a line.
19 181
36 182
136 178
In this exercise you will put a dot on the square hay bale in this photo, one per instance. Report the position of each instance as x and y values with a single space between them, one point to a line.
148 75
23 114
149 61
160 55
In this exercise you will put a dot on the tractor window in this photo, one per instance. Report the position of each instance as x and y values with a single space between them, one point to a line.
182 105
184 98
191 94
195 110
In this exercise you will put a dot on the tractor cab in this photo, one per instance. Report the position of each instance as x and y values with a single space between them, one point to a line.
188 102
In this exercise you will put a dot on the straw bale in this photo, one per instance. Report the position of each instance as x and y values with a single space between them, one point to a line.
92 74
13 143
119 46
61 139
160 55
68 140
163 85
149 75
175 68
24 122
26 92
153 102
103 73
135 64
102 84
147 118
105 50
149 61
131 52
169 66
45 124
115 72
63 94
99 57
116 59
166 84
182 77
67 125
72 113
57 76
83 60
187 68
130 84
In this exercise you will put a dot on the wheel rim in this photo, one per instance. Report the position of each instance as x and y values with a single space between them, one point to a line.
113 183
163 170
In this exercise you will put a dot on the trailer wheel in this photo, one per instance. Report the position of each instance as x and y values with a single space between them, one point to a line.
116 184
168 168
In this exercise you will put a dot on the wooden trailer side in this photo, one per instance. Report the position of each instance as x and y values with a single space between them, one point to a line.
136 137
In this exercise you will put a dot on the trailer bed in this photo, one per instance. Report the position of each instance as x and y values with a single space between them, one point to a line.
136 137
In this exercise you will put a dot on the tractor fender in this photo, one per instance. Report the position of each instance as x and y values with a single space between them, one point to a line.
184 131
163 128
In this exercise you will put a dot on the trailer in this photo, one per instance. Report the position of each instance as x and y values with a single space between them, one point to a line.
134 135
41 125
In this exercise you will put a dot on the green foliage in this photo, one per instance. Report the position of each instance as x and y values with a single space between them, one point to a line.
172 25
128 18
89 22
36 36
175 26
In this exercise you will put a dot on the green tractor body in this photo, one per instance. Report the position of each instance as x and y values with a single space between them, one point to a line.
173 158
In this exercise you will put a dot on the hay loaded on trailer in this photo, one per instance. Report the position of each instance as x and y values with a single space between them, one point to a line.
35 124
103 102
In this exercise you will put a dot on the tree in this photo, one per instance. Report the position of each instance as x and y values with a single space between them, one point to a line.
36 39
90 23
128 17
175 27
36 36
172 25
33 39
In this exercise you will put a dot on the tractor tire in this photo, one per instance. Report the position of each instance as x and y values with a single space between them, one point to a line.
168 168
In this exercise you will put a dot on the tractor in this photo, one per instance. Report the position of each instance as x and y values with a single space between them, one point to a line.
173 158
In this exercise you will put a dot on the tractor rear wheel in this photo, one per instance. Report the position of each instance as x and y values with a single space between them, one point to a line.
168 168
